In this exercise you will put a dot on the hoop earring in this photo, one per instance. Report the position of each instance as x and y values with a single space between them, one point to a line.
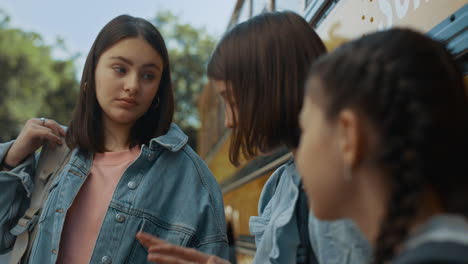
155 106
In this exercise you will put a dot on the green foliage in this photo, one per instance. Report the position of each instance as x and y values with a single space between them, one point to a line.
189 51
32 83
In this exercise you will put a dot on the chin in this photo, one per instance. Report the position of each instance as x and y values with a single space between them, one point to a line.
126 118
323 213
325 216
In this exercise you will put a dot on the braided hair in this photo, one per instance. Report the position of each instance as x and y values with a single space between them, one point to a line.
412 91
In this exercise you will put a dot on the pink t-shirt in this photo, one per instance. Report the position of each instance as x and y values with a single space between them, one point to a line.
85 216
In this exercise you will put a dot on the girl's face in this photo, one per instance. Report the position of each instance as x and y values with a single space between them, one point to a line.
127 79
229 109
320 161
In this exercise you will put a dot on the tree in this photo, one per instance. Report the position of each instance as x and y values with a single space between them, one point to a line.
32 83
189 51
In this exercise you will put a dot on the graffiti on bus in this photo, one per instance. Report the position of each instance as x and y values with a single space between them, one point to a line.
396 8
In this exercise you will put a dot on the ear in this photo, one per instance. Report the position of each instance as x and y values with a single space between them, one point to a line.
351 137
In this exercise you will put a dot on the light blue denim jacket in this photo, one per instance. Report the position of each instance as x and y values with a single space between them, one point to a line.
276 229
167 191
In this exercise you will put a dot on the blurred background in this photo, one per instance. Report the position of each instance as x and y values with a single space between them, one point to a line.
44 44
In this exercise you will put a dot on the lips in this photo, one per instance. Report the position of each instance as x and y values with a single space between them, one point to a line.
127 101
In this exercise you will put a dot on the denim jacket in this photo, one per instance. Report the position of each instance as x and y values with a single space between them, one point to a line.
167 191
442 239
276 229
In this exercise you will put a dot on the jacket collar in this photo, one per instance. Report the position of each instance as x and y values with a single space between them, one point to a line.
443 239
441 228
173 140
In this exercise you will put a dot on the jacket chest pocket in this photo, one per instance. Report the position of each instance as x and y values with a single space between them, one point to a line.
138 253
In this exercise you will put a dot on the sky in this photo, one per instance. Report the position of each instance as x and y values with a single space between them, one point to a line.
78 22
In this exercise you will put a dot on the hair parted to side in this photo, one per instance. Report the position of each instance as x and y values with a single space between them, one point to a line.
412 91
264 62
86 130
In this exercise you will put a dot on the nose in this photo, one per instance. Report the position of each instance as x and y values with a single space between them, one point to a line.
132 84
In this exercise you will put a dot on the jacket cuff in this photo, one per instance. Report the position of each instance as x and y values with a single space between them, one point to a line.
24 171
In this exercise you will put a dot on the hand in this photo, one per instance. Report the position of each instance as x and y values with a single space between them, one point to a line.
163 252
34 134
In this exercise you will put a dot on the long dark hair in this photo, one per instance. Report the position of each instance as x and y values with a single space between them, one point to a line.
412 91
86 130
264 60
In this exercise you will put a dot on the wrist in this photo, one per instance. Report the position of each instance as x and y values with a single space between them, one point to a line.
10 160
7 166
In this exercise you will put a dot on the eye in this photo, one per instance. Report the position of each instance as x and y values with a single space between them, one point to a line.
119 69
148 76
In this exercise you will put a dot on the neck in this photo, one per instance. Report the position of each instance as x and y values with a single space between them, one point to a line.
294 152
116 136
430 206
368 207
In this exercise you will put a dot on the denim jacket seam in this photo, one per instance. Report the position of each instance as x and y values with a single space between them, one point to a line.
75 173
196 242
77 169
165 140
211 242
180 145
205 185
155 220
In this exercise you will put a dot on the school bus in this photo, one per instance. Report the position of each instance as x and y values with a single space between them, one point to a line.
336 21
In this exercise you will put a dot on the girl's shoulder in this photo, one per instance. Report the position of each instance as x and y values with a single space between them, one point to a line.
283 176
182 162
435 252
443 239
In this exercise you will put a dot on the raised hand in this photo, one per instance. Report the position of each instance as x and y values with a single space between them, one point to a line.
163 252
34 134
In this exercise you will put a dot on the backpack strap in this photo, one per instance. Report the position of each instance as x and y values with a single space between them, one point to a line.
51 163
305 253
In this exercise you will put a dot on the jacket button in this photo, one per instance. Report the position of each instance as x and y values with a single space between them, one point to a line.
120 218
106 260
132 185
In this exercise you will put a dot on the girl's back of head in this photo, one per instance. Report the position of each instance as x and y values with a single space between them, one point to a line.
412 92
264 61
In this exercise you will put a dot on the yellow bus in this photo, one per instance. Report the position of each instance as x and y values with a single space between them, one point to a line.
336 21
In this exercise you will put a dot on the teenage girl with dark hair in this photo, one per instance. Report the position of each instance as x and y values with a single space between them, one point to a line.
130 169
385 143
259 68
